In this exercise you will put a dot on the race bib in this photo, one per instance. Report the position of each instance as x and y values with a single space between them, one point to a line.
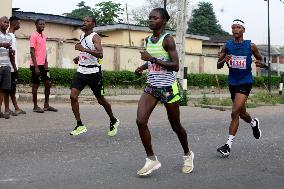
89 70
239 62
84 57
154 67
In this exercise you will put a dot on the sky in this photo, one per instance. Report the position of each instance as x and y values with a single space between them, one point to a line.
253 12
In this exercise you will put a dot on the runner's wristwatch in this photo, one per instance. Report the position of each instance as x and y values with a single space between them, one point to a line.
154 60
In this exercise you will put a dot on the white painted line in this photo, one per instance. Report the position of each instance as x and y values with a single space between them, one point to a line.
8 180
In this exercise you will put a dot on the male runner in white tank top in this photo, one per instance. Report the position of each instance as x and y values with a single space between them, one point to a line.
89 73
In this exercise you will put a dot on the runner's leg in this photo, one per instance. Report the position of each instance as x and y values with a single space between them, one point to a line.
146 105
174 118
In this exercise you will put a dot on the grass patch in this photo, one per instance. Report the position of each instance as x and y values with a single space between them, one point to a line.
215 101
258 99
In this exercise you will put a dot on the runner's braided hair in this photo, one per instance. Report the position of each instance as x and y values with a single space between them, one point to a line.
164 13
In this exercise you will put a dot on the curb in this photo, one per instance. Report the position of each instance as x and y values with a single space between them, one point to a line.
26 97
221 108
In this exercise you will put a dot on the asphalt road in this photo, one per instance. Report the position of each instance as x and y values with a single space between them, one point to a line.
36 151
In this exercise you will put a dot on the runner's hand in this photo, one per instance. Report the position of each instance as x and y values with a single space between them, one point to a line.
227 58
79 47
76 60
139 71
260 64
145 55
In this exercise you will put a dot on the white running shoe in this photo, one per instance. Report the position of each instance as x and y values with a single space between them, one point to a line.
188 163
149 167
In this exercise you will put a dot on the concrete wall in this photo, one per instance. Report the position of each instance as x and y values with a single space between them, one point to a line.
137 37
52 30
211 50
61 53
6 8
117 54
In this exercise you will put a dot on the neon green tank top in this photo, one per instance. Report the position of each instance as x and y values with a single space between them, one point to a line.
157 75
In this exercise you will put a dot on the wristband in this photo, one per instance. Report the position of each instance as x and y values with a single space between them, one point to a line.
154 60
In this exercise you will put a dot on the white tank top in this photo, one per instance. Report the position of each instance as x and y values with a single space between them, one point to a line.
88 64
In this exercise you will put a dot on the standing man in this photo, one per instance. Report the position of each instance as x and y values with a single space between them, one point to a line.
7 58
39 66
236 53
14 26
89 73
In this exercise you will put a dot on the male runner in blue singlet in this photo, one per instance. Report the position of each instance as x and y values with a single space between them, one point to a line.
237 54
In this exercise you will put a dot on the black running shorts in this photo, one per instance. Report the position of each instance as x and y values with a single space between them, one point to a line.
94 81
242 88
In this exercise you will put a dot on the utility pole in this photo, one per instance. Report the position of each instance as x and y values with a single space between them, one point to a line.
180 45
128 26
180 40
165 4
269 63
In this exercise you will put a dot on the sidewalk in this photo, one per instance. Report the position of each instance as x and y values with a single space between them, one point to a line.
115 95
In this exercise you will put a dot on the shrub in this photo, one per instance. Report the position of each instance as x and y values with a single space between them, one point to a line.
64 77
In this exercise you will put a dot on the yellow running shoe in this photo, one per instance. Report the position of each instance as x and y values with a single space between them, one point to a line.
113 128
78 130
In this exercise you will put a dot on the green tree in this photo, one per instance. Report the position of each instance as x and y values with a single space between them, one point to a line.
204 22
140 15
81 12
105 12
108 12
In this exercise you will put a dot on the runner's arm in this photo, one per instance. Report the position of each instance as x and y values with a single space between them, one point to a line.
98 52
144 66
222 58
170 46
259 60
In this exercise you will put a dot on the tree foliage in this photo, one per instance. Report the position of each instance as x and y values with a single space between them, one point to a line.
204 22
106 12
81 12
141 14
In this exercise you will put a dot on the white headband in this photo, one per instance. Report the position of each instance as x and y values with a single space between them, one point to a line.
239 23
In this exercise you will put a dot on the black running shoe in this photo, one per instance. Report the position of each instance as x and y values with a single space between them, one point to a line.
256 130
224 150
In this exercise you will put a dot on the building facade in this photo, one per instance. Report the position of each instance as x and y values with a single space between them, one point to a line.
121 43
